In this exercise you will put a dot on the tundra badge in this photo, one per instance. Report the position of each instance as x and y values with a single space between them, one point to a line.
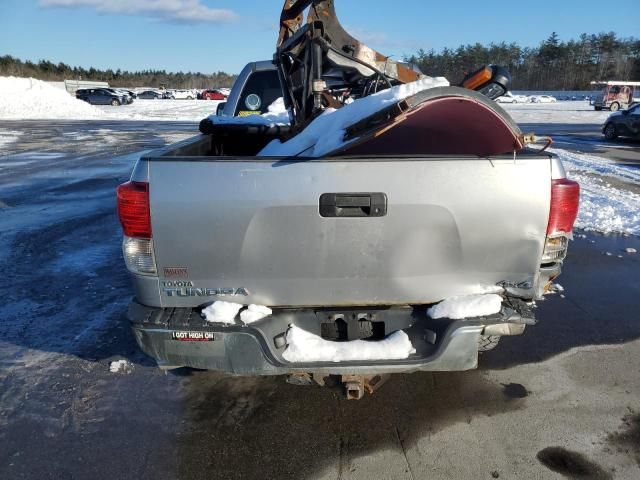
187 289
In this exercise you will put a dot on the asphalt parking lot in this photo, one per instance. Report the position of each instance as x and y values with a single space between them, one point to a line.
561 401
588 138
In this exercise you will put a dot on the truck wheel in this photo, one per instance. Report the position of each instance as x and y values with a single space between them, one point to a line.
598 109
115 103
615 106
610 132
486 343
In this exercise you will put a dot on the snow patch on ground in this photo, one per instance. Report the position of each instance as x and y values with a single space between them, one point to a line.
254 313
162 110
28 98
326 133
467 306
222 312
8 137
121 366
604 207
561 112
584 162
307 347
31 99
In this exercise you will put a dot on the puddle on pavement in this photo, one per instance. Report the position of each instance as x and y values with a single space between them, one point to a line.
571 464
514 390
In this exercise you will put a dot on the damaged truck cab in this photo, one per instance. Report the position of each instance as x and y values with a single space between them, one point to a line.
343 225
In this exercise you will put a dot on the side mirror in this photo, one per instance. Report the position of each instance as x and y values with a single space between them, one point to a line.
625 112
220 108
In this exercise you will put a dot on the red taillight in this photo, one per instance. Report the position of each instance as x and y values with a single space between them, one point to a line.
133 209
565 199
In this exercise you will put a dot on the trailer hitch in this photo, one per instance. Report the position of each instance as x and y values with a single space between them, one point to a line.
354 386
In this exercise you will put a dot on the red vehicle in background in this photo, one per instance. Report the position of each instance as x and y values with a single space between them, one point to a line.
615 95
213 95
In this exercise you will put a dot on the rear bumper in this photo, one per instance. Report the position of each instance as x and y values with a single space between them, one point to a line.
177 337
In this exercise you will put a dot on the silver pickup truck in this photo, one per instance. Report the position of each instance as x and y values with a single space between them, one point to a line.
207 220
383 193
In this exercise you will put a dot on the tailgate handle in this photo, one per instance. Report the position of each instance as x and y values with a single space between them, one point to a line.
351 205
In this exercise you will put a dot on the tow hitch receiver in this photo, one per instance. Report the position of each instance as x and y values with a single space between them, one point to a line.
354 386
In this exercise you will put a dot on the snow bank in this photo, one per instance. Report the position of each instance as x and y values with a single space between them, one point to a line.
467 306
307 347
276 115
28 98
326 133
254 313
606 206
221 312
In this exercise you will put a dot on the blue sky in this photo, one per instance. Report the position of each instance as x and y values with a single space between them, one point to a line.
214 35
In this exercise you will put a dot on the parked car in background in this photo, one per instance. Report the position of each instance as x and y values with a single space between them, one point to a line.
154 95
625 123
150 95
511 98
101 96
213 95
507 98
183 94
130 92
128 96
543 99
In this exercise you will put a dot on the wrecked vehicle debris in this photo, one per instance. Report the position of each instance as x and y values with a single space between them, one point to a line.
346 210
322 66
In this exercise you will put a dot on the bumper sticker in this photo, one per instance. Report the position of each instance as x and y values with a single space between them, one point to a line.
193 336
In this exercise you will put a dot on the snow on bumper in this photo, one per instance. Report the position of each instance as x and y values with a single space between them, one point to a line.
181 338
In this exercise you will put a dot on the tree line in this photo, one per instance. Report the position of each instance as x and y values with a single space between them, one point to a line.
553 65
49 71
